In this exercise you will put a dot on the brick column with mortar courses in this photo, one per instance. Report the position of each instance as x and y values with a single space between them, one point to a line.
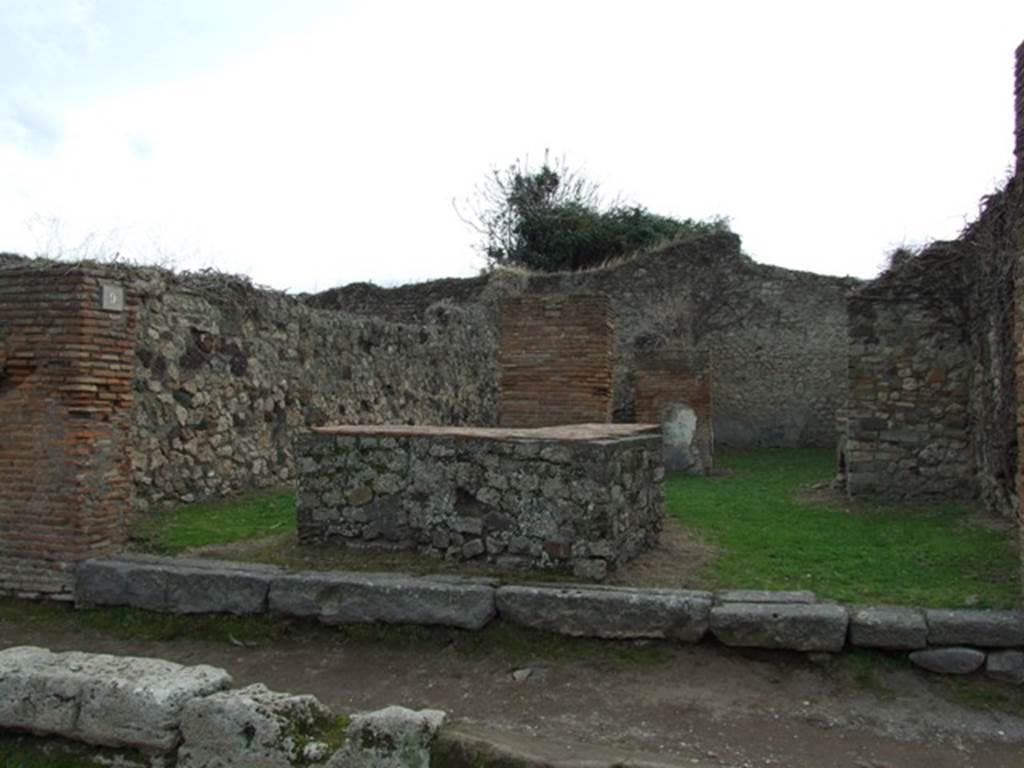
557 360
1019 110
65 396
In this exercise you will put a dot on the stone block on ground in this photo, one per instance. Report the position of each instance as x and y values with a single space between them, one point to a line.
394 737
115 701
985 629
792 626
174 585
609 612
893 627
361 598
949 661
765 596
256 728
1006 665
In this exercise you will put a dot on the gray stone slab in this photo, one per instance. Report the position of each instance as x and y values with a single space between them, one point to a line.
251 728
174 585
985 629
393 737
609 612
949 661
765 596
99 699
792 626
121 582
361 598
893 627
1006 665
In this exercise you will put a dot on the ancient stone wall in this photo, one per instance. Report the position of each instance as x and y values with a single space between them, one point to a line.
778 336
1019 110
65 404
510 497
226 374
906 417
556 355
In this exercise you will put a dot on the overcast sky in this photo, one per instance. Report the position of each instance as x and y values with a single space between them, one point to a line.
310 143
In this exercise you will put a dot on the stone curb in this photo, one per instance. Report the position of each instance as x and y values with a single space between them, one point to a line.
609 612
785 620
786 626
365 598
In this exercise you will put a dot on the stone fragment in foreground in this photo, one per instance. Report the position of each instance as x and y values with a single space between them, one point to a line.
174 585
115 701
361 598
254 727
985 629
609 612
792 626
893 627
394 737
949 661
1006 665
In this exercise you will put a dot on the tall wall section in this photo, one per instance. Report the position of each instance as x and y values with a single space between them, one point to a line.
935 347
65 402
778 336
226 374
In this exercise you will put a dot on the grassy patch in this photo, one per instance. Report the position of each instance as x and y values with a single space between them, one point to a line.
768 538
249 516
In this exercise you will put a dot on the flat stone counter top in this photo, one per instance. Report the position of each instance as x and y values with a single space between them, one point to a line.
564 433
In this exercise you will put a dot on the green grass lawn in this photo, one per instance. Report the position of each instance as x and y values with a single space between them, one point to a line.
764 528
250 516
767 537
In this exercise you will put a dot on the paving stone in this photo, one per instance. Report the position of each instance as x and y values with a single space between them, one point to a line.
893 627
985 629
251 728
1006 665
394 737
949 661
116 701
610 612
793 626
360 598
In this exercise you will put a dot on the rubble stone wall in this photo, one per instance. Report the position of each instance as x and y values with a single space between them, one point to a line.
588 505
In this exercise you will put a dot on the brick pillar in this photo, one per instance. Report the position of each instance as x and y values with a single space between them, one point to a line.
557 359
1019 110
65 401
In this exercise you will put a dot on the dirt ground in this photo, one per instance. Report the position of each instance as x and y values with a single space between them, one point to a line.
704 705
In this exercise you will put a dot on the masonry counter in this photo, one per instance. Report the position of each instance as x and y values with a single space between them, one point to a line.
582 496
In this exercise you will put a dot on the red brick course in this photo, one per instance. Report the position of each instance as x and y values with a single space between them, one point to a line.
557 358
65 392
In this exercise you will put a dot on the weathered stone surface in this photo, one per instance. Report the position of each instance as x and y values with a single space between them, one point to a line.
794 626
949 661
985 629
394 737
558 497
611 612
252 728
106 700
1006 665
359 598
764 596
892 627
175 585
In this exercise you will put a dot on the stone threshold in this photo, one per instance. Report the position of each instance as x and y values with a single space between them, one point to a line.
957 641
